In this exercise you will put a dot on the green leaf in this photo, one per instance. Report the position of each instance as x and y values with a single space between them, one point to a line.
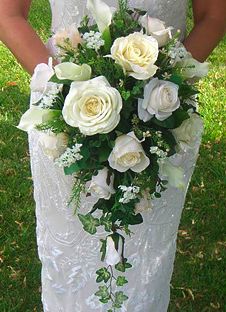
103 275
106 35
123 265
89 223
103 248
106 222
103 293
72 169
121 280
120 297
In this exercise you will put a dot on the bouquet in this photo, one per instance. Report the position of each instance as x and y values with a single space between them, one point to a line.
120 102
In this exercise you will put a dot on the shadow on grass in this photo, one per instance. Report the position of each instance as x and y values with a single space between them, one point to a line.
198 283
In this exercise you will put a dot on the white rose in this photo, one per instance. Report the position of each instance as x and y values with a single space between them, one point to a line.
156 28
53 145
33 117
174 175
160 100
192 68
73 71
145 203
137 54
93 106
113 256
101 12
69 35
100 186
188 134
128 153
39 80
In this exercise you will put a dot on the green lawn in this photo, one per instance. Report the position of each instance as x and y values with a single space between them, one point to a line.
198 283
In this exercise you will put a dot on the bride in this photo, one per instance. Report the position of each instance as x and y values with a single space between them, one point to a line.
70 256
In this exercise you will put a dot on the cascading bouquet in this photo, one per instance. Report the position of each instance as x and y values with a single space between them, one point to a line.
118 104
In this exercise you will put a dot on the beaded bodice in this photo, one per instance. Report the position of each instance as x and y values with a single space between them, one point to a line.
173 12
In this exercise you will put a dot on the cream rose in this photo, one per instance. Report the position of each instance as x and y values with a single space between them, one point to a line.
53 145
156 28
174 174
67 36
145 202
128 153
93 106
71 71
137 54
160 100
188 134
100 187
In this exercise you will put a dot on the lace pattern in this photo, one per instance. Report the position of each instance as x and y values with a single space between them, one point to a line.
70 256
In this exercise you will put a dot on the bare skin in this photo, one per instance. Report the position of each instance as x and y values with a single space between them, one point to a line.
21 39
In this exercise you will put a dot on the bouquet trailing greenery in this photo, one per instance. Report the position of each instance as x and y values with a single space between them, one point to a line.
111 113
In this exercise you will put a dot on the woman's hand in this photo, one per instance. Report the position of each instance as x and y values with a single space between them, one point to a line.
19 36
210 27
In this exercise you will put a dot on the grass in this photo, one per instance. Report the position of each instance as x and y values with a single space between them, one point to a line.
198 283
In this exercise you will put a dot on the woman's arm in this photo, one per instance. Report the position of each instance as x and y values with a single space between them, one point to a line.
19 36
210 27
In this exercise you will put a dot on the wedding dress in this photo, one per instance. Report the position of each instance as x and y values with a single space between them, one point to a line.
70 256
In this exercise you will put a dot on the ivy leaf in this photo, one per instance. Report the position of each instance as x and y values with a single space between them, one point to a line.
106 222
89 223
103 248
103 293
103 275
120 297
121 280
123 265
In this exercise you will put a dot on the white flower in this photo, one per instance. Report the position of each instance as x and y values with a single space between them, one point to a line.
112 255
192 68
53 145
70 156
129 193
177 53
128 153
156 150
156 28
71 71
174 175
100 186
93 40
101 12
93 106
39 80
69 35
34 116
188 134
50 96
137 54
160 100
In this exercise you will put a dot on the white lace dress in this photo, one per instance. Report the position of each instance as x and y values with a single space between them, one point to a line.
70 256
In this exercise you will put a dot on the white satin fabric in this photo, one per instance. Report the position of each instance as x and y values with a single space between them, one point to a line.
69 256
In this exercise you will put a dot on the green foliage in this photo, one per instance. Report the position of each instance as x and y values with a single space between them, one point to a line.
103 275
89 223
121 280
123 265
